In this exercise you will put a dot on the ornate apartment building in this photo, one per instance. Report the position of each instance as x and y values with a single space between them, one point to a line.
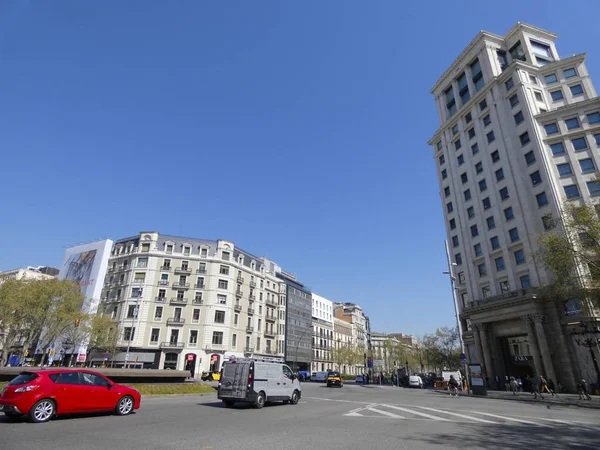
519 137
184 303
360 332
322 339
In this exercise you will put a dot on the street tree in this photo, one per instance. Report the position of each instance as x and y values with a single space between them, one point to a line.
103 334
442 348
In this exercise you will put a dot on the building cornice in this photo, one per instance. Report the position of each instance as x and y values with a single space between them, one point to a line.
538 32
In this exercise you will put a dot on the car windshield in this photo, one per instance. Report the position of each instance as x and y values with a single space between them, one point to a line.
333 374
24 378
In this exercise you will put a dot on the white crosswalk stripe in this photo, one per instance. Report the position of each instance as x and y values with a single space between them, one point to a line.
512 419
417 413
385 413
463 416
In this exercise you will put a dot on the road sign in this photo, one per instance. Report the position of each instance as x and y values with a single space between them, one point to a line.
463 357
369 362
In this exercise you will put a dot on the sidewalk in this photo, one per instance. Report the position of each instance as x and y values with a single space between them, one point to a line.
560 400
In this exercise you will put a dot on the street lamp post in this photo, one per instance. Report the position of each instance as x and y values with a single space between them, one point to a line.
588 337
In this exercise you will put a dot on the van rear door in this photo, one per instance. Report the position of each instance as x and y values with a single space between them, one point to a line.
234 382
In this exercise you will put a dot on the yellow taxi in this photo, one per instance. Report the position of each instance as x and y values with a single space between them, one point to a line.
334 379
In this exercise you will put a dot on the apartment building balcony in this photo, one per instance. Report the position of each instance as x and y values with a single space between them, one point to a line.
248 350
175 321
214 347
252 284
141 265
249 329
172 345
111 269
270 334
238 294
269 351
163 282
237 307
165 268
160 299
183 270
251 311
270 318
139 281
124 268
178 285
197 301
201 270
178 301
199 286
240 280
252 297
270 302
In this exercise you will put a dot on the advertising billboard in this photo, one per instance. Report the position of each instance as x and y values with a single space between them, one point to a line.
86 265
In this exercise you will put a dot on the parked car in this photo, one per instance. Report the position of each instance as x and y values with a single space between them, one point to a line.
360 379
415 381
257 382
43 394
334 379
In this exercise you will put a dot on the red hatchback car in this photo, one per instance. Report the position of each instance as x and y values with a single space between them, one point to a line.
42 394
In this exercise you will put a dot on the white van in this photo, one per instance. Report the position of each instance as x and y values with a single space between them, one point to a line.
320 377
254 381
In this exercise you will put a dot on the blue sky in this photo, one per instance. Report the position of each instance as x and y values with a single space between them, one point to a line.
296 129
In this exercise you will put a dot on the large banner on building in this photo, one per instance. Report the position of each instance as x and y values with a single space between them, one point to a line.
86 265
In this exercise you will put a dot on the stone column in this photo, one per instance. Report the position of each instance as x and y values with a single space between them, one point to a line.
487 355
478 349
533 346
538 320
565 365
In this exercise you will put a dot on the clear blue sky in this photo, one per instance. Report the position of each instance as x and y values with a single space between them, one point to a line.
296 129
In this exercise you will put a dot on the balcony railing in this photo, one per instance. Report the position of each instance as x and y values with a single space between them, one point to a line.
197 301
178 301
172 344
270 334
139 281
183 270
237 307
248 349
212 347
178 285
142 265
165 268
163 282
252 297
175 321
271 302
240 279
252 284
201 270
249 329
270 318
160 299
250 311
238 293
199 286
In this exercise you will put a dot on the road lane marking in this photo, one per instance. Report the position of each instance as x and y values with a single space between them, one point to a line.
384 413
410 411
337 400
464 416
512 419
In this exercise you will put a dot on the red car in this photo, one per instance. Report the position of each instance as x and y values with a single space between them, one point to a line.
42 394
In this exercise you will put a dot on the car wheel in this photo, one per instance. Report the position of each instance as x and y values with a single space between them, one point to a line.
294 398
260 400
42 411
228 403
125 406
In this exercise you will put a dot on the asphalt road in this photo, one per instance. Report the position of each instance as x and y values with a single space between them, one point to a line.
352 417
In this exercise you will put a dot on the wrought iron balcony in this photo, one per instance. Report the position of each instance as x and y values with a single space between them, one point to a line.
187 270
160 299
139 281
163 282
238 293
250 311
270 302
178 301
175 321
249 329
201 270
199 286
252 284
248 349
165 268
178 285
270 318
172 344
197 301
270 334
237 307
252 297
240 279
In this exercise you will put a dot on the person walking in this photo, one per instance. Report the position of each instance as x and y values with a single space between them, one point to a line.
552 388
583 390
535 386
514 386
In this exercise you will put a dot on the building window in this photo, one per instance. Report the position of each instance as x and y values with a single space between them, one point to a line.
557 95
514 234
154 335
482 104
450 102
482 270
525 282
158 313
203 252
495 156
442 159
169 248
529 157
495 243
219 316
542 52
439 145
504 287
514 100
468 118
477 75
467 195
471 133
457 144
452 224
551 128
458 259
455 242
145 248
593 187
196 315
536 178
491 223
131 311
519 117
471 212
186 251
564 170
193 337
548 222
444 174
509 84
572 123
460 160
519 257
464 178
463 89
474 149
477 249
542 199
449 207
504 193
597 138
499 174
551 78
576 90
557 148
474 231
446 191
490 137
579 143
479 167
593 118
570 73
223 284
461 277
224 270
499 264
509 214
455 130
533 79
217 338
487 120
128 333
572 191
538 96
502 59
485 291
587 165
221 299
517 53
482 185
234 341
524 138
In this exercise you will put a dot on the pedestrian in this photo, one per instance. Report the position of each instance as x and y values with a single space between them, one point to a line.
583 391
552 388
507 381
544 385
536 383
520 384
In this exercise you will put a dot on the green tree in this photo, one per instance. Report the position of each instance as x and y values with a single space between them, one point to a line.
442 348
104 334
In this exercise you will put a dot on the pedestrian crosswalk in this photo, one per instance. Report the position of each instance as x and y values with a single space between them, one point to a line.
406 412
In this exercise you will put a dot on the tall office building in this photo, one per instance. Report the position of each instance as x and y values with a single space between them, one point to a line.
322 338
519 137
